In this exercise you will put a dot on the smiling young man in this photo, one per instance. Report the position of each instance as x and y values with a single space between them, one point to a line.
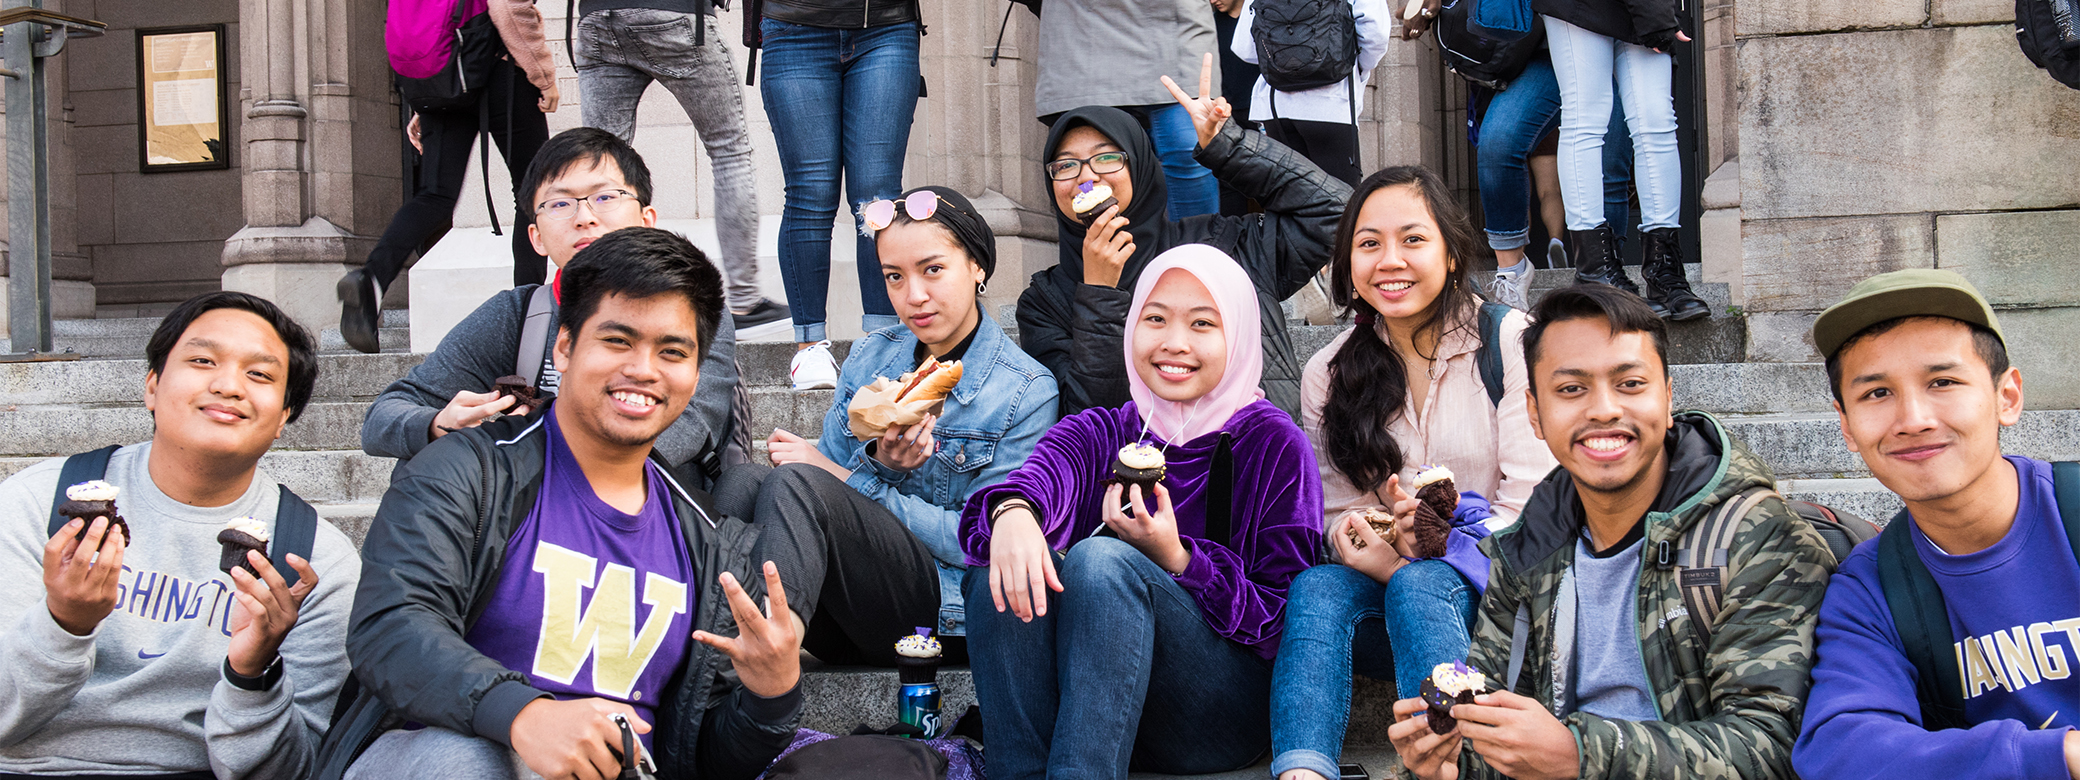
1602 670
133 655
583 184
530 580
1922 386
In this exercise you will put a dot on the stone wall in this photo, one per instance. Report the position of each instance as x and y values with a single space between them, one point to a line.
1907 134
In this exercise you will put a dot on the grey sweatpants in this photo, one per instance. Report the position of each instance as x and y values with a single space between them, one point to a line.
437 752
620 51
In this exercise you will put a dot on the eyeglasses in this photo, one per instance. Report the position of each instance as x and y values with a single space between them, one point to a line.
608 202
920 205
1068 168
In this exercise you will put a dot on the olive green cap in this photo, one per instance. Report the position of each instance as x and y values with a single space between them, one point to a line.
1919 292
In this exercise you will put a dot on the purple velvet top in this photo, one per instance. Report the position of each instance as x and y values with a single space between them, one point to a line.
1275 517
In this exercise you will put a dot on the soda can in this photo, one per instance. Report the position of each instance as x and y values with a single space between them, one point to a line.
918 705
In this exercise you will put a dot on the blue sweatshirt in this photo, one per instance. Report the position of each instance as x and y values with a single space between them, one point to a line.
2017 604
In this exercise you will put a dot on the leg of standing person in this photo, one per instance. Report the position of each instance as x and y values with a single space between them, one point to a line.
1154 687
858 578
803 89
1516 119
1331 146
1333 628
1582 67
1193 190
609 75
446 138
1017 681
1645 84
520 128
1238 78
882 80
1545 180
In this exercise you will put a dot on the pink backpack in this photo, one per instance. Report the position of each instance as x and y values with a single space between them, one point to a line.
420 34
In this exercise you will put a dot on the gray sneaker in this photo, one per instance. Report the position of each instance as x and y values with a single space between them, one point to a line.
1511 289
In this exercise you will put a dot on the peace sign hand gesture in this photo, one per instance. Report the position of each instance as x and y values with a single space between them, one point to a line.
767 648
1208 113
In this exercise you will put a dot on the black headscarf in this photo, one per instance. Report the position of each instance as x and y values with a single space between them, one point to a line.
1148 214
959 217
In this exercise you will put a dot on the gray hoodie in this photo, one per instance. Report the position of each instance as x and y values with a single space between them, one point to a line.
145 693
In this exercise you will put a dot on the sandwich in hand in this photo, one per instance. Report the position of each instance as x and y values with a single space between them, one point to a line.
903 401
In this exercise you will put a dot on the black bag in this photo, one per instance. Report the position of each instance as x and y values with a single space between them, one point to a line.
2049 32
1923 621
864 757
1305 44
1477 58
458 84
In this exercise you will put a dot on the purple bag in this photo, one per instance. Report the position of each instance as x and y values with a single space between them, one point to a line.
419 35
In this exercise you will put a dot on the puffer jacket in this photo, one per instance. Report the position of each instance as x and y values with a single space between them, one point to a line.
430 563
1727 710
1078 330
1649 23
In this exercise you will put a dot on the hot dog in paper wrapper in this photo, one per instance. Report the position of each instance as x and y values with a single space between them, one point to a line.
904 401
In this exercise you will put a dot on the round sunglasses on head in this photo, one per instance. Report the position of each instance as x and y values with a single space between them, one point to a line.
920 205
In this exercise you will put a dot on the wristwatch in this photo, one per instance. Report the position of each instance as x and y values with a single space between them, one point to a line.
265 682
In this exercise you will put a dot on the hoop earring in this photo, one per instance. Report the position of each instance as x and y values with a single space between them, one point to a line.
981 287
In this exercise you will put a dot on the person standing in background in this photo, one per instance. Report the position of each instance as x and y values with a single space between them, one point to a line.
1110 53
1237 77
841 87
622 46
525 75
1320 123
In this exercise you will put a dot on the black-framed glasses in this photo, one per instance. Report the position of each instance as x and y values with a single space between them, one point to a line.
1102 162
605 202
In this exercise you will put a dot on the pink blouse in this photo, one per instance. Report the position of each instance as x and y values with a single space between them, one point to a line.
1489 447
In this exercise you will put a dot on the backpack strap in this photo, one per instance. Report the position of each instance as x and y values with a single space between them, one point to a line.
1703 568
295 531
1489 357
1923 623
534 334
1220 493
78 468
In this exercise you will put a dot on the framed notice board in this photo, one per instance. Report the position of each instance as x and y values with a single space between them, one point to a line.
182 125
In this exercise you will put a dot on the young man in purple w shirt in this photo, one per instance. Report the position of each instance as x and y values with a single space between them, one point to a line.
1919 370
532 580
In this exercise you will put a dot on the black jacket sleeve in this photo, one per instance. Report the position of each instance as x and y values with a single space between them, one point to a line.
406 635
1081 341
1655 22
1285 245
741 736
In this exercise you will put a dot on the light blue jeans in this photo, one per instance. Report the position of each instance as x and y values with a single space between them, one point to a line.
1584 64
1339 622
1193 190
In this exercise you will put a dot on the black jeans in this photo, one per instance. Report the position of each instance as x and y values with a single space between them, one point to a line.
1331 145
519 128
855 574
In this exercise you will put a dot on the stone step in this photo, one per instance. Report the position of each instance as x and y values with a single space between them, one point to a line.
1808 445
320 477
1863 496
1751 388
121 380
126 336
64 429
1717 295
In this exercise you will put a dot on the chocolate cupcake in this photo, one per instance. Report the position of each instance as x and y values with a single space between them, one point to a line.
1141 464
1091 200
92 499
1449 684
1382 523
917 657
1434 487
531 397
239 536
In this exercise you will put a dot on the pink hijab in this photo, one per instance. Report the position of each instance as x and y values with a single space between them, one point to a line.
1236 298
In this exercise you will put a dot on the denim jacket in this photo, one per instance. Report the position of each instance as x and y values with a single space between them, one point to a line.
990 423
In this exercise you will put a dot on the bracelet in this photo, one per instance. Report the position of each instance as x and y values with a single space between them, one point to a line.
1007 505
265 682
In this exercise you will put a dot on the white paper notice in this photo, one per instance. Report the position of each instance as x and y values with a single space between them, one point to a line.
184 102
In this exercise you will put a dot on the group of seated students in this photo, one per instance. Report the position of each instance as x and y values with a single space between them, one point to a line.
541 573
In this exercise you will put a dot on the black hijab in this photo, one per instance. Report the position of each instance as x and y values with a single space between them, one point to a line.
1148 214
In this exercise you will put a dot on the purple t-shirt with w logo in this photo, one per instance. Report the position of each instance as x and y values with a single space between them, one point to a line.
592 602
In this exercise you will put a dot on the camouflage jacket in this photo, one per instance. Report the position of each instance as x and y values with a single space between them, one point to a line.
1728 710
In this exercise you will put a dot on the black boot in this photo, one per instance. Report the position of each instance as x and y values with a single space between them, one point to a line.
1596 259
359 312
1668 291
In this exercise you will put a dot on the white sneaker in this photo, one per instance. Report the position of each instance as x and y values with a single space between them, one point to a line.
1511 289
813 368
1556 254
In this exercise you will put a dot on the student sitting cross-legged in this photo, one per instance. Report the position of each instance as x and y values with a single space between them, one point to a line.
1113 624
530 584
1947 646
128 650
866 531
1601 667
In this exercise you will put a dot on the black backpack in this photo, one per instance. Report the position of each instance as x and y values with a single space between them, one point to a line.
1477 58
1304 44
1922 619
2049 32
295 522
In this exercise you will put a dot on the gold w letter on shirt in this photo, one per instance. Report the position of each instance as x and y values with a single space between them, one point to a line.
604 631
